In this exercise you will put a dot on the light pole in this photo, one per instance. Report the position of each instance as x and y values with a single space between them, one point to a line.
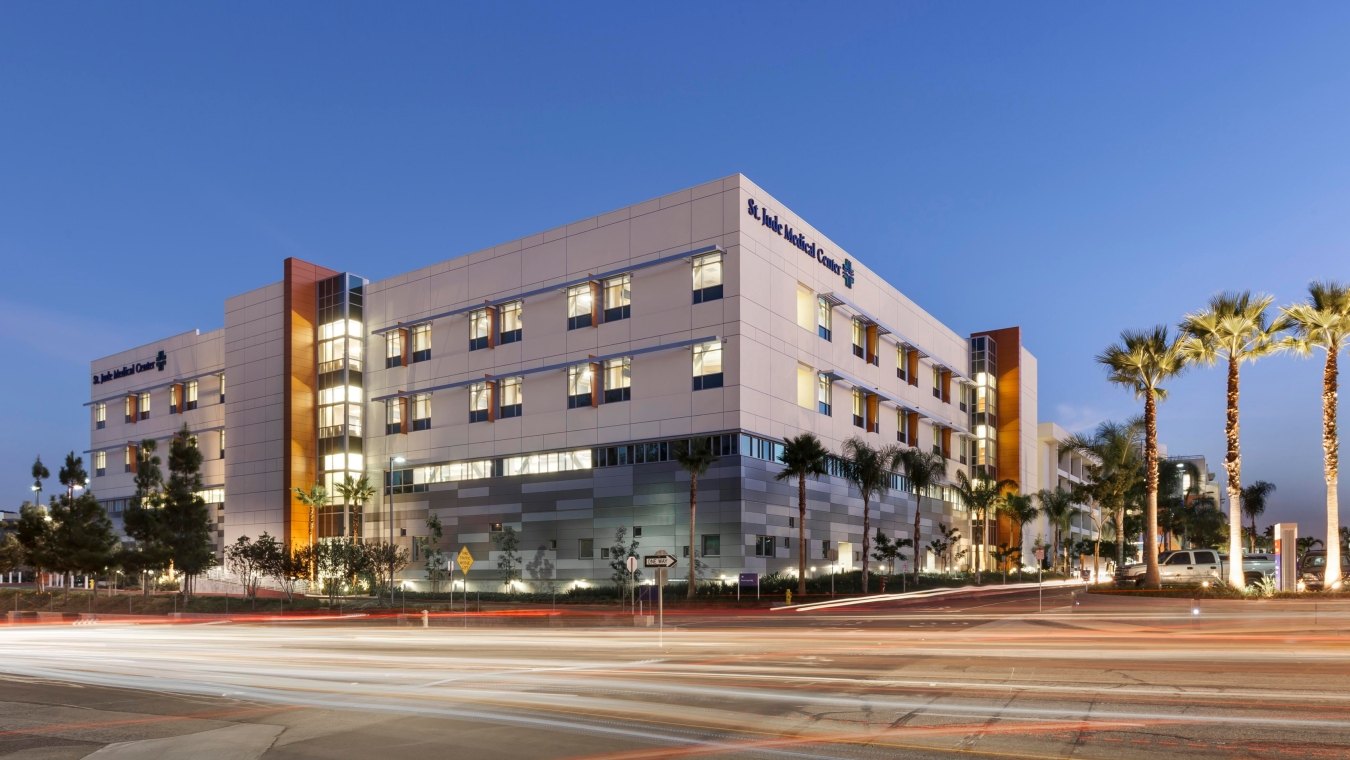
393 460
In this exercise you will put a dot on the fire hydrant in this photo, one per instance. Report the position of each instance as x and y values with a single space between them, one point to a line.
789 596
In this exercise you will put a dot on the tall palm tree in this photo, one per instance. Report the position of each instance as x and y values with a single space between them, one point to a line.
1142 362
870 470
1019 509
316 498
1324 323
1232 329
355 492
1059 509
923 470
979 495
803 456
695 458
1254 503
1112 452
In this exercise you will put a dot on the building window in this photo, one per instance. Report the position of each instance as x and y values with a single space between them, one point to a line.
129 409
580 306
937 382
100 415
792 522
480 329
421 342
190 395
824 394
787 541
143 406
901 361
708 365
604 552
222 444
393 349
637 531
495 527
512 326
764 546
480 402
902 426
858 403
421 411
222 389
859 338
618 298
708 278
580 379
962 396
712 546
393 416
129 459
100 463
824 319
618 379
585 548
512 403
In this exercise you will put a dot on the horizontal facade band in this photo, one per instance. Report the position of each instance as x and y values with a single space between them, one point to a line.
835 299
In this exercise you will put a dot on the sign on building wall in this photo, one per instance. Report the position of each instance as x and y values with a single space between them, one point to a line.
795 237
157 363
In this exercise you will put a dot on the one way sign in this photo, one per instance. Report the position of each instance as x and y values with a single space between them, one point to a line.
658 560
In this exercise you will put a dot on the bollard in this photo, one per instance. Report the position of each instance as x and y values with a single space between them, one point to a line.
789 596
425 620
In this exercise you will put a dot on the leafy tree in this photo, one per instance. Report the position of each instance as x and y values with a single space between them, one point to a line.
803 456
923 470
869 469
145 521
35 534
1233 329
73 475
1323 324
386 560
979 496
942 546
1005 555
435 562
888 551
248 560
618 560
694 457
1142 362
82 536
12 554
1059 509
507 542
185 513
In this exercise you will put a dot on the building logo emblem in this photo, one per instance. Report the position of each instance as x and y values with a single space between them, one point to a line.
798 239
161 359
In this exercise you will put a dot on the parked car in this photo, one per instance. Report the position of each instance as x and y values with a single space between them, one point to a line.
1195 566
1312 569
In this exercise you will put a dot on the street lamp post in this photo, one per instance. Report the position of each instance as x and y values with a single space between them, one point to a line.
393 460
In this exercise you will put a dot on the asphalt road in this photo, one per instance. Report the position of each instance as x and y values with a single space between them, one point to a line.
983 674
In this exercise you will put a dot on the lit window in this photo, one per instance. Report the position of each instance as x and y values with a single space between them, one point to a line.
190 395
708 278
393 349
100 415
100 463
937 382
901 361
902 426
480 329
824 394
580 306
579 383
222 444
421 411
129 408
618 298
859 338
824 319
393 416
764 546
129 455
512 403
857 408
480 401
421 342
512 324
806 307
712 546
708 365
806 386
339 394
222 389
143 406
618 379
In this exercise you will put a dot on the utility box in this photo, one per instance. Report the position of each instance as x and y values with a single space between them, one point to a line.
1286 556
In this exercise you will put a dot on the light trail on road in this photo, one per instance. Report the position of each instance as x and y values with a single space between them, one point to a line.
1100 683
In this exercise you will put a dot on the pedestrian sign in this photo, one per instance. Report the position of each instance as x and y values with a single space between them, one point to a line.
465 559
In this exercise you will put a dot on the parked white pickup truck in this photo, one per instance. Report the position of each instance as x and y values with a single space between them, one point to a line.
1194 566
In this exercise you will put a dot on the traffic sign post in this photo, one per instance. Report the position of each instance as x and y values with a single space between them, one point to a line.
1040 557
465 561
631 564
662 561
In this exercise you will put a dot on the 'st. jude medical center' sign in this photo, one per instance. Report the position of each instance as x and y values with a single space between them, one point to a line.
156 363
844 270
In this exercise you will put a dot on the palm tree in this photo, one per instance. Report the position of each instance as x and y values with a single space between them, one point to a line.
1142 362
870 470
923 470
803 456
1059 509
695 459
1233 329
1114 471
40 473
979 496
1020 511
355 491
1254 503
1324 323
315 498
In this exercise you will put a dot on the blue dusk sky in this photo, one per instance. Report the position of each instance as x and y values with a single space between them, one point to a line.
1073 168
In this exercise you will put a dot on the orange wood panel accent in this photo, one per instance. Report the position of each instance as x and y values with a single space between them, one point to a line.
492 397
873 408
912 372
403 414
596 295
913 429
176 398
947 442
597 375
403 339
300 450
493 326
133 408
871 348
947 385
135 452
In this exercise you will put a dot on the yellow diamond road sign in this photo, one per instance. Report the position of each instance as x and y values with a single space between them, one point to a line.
465 559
